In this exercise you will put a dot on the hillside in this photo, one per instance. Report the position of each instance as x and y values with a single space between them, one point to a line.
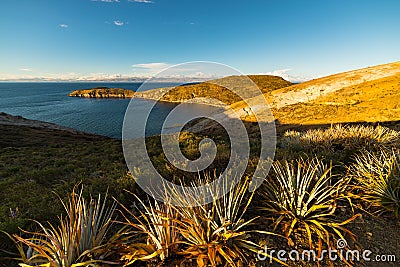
36 161
371 94
38 158
217 89
103 92
373 101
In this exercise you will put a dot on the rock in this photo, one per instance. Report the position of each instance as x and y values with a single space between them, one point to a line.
103 92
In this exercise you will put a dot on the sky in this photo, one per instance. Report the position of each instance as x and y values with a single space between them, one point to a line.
96 39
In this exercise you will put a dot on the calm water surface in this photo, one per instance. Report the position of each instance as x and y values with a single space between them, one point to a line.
50 102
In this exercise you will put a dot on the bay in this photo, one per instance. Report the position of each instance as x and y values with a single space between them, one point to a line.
49 102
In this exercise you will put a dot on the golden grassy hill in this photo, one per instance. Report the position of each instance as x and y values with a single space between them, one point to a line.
218 89
371 94
373 101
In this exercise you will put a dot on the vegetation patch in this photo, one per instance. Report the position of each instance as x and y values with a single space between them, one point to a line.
320 183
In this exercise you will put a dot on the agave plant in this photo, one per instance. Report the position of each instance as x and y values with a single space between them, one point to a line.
378 177
212 234
80 238
217 233
303 196
151 232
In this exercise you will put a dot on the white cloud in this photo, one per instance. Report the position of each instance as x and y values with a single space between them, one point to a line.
63 25
289 77
118 23
151 66
141 1
25 69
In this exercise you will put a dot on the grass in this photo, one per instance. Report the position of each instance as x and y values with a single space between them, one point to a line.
358 99
222 89
338 142
300 195
37 162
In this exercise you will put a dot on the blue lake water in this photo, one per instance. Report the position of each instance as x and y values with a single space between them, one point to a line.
50 102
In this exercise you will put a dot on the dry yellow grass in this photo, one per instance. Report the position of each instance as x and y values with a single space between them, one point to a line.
372 101
222 89
366 95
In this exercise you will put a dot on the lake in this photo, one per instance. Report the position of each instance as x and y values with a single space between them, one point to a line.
49 102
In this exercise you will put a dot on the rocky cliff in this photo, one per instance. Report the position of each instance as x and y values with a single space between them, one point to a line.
103 92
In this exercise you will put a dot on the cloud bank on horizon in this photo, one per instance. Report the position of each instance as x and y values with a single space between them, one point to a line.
140 72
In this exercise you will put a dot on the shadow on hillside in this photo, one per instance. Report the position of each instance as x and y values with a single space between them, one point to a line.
25 136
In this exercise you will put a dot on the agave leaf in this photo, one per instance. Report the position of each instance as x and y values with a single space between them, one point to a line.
309 236
42 265
227 257
292 225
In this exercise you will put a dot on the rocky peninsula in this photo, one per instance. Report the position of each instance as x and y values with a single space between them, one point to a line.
229 90
103 92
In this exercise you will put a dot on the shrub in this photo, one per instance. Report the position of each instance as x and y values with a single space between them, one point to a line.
339 138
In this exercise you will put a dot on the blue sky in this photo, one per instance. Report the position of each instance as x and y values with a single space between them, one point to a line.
63 39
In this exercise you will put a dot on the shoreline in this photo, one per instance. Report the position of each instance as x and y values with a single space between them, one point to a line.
19 121
177 102
102 92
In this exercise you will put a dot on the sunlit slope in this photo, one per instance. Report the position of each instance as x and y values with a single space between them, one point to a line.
371 101
370 94
221 89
